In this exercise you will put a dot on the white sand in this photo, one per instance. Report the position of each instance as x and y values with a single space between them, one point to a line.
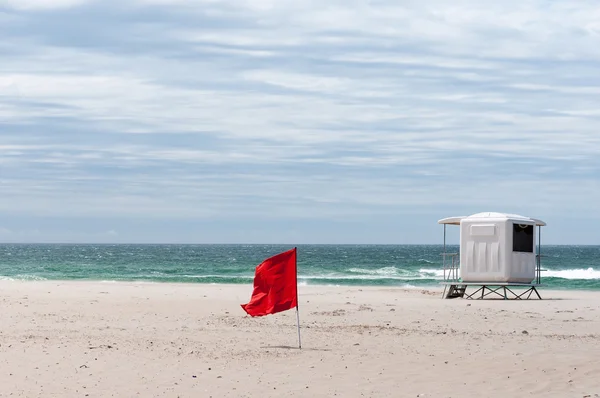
77 339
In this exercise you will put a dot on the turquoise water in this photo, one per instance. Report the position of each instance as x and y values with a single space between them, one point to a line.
569 267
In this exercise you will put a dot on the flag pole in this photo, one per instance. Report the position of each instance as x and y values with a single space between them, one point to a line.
297 311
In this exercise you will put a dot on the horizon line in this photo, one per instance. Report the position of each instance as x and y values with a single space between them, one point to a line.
262 244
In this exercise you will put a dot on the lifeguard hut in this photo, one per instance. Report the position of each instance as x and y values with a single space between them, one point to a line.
497 254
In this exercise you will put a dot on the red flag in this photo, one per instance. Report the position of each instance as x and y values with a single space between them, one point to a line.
275 285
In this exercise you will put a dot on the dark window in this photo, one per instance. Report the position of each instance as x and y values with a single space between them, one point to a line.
523 238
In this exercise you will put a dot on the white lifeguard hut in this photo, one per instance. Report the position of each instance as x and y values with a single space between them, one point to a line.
497 253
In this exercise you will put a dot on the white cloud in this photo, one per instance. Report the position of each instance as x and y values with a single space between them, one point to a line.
299 109
296 81
40 4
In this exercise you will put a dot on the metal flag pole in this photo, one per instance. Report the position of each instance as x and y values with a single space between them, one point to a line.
297 311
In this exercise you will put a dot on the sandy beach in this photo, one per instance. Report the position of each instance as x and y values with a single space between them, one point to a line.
102 339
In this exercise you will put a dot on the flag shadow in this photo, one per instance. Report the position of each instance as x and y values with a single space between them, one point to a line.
289 347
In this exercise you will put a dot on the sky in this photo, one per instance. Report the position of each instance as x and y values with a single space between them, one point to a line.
280 121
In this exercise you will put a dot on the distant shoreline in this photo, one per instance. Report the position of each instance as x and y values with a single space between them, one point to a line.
433 288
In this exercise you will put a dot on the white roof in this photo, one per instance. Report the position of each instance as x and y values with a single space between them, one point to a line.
451 220
488 215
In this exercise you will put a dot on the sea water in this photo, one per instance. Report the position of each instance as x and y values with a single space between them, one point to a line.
564 267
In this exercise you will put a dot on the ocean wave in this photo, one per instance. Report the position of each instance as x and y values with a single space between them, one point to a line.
351 275
23 277
302 279
212 276
588 273
403 286
398 273
362 277
391 273
385 271
432 272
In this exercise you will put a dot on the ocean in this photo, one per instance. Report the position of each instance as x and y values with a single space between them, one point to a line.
564 267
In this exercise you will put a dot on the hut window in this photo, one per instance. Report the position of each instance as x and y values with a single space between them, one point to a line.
523 238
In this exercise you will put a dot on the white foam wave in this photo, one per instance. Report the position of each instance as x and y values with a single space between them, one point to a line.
588 273
391 273
404 286
212 276
380 271
356 274
432 272
159 275
436 273
382 275
361 277
27 277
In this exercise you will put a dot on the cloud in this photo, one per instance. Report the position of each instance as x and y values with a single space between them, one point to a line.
27 5
291 109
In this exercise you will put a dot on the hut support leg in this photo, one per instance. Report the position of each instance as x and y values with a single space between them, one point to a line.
505 292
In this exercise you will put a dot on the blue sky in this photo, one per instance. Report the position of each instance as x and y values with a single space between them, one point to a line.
295 121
